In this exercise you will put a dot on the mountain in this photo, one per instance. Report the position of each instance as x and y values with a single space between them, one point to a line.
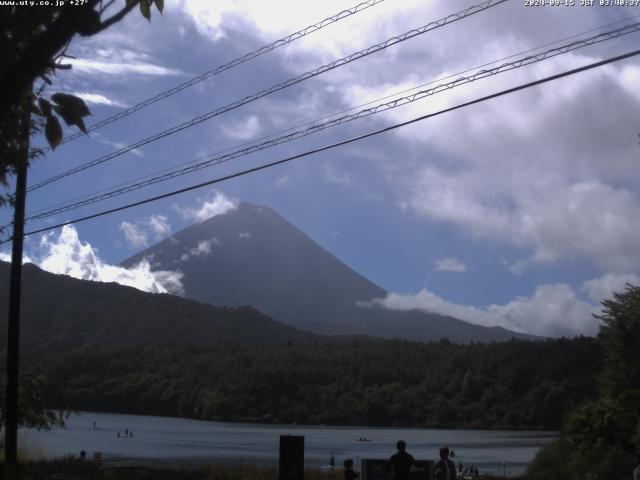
253 256
60 313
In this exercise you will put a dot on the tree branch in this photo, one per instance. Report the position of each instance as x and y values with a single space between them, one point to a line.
116 17
103 8
36 59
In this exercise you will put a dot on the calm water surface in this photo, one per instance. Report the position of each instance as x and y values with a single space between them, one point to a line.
181 441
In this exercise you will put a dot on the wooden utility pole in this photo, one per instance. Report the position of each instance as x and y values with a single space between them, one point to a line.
13 334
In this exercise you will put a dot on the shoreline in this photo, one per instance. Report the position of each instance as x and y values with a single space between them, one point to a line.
76 468
184 443
546 432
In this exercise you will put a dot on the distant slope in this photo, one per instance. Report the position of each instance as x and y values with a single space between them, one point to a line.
253 256
63 313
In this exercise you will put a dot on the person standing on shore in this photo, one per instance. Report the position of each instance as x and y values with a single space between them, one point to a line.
349 472
400 462
445 469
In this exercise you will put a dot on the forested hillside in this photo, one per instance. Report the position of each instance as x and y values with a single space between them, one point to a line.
60 313
517 384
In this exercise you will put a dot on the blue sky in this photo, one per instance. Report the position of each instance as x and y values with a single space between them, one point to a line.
518 212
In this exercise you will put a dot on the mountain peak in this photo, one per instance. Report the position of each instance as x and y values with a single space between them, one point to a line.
251 255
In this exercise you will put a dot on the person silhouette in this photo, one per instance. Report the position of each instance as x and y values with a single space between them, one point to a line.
400 462
445 469
349 472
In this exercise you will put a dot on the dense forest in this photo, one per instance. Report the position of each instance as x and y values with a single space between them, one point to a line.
600 439
358 381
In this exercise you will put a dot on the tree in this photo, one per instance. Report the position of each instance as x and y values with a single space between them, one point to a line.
620 336
600 437
33 42
614 419
42 404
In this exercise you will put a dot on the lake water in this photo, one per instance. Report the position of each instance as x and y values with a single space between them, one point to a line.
182 441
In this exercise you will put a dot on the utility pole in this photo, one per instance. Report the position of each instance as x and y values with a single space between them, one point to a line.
13 335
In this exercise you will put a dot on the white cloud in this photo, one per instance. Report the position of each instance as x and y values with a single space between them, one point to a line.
118 145
133 235
67 255
602 288
334 175
119 61
159 225
271 20
518 267
553 310
137 233
244 235
552 169
204 247
244 130
283 181
219 204
99 99
450 265
6 257
556 218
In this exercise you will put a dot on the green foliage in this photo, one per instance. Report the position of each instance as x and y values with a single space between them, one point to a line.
72 314
561 459
71 108
145 7
159 5
601 423
601 438
620 336
36 395
615 418
53 131
371 382
33 43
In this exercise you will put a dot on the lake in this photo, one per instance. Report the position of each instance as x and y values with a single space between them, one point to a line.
182 441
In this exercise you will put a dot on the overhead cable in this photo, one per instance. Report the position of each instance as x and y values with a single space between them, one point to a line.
208 161
275 88
324 117
233 63
337 144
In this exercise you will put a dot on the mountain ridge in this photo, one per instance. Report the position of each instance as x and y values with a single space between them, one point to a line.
61 313
253 256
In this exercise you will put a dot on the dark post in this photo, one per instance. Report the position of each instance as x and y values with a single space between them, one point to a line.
291 458
13 334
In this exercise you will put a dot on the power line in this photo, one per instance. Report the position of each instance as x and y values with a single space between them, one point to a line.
397 102
275 88
233 63
310 122
337 144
